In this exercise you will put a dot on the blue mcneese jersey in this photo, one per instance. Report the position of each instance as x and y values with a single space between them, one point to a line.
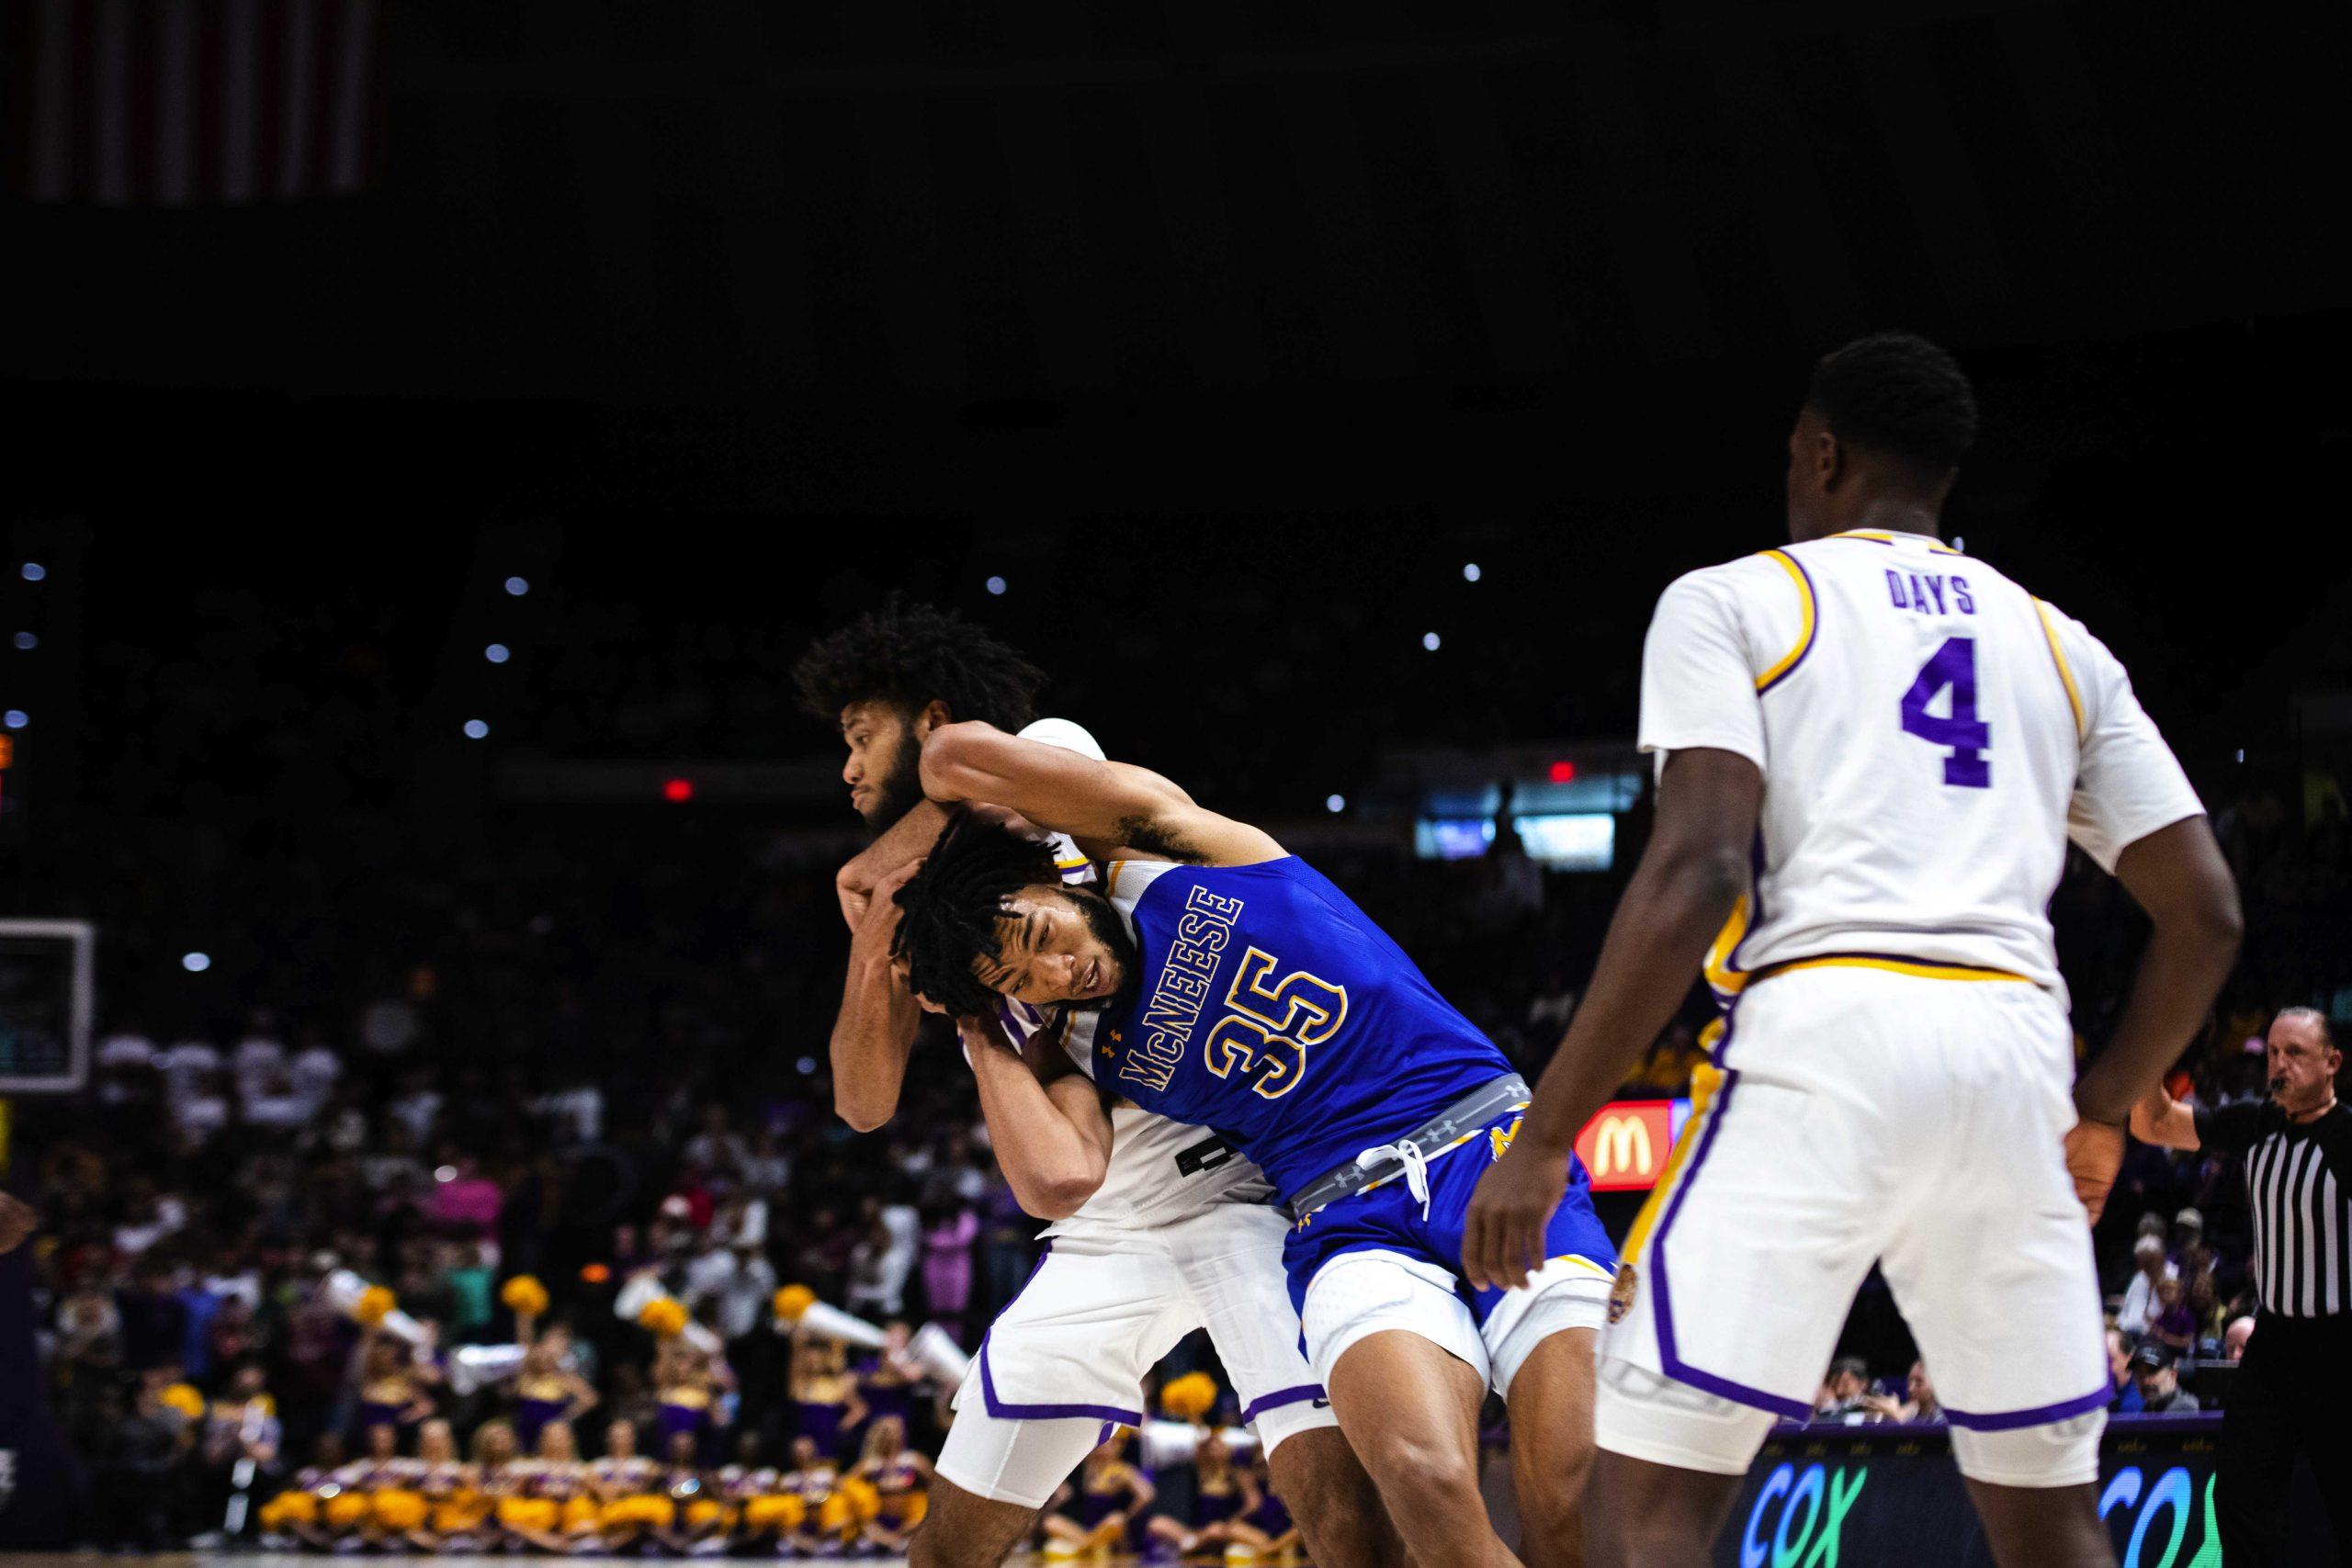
1273 1010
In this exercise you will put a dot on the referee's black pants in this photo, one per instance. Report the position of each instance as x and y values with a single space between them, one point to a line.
2292 1396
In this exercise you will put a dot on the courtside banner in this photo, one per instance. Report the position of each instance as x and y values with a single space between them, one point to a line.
1819 1495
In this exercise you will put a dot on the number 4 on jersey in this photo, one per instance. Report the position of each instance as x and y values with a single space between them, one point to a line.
1953 665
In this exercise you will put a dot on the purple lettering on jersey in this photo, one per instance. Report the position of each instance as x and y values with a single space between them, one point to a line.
1166 1024
1959 596
1936 587
1894 589
1918 595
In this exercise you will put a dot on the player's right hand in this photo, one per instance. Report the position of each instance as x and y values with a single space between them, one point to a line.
1502 1234
2094 1154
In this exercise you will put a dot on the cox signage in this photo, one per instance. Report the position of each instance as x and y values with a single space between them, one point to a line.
1625 1145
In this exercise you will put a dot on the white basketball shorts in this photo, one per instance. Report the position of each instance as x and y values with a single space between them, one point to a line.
1068 1357
1857 1114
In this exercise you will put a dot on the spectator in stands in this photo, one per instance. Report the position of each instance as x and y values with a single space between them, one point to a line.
2233 1339
1920 1405
2150 1267
2175 1324
1844 1391
2156 1376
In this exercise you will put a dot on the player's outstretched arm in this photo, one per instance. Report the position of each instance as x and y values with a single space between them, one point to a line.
1045 1120
2161 1119
874 1033
1692 873
1097 803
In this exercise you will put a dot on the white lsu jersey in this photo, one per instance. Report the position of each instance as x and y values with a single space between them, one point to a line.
1160 1170
1930 736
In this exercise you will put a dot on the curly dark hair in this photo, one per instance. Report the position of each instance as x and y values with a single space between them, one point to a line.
952 904
1898 394
909 655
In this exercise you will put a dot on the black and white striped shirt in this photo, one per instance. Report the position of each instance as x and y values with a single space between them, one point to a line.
2298 1186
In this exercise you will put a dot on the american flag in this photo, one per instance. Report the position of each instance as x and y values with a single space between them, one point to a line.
178 102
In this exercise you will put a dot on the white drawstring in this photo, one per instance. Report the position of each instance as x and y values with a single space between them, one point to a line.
1416 1166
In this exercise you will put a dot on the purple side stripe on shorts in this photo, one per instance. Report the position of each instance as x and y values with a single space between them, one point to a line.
1005 1410
2039 1415
1281 1397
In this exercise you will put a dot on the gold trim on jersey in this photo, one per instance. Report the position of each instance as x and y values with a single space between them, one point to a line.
1706 1081
1916 968
1788 661
2065 673
1724 980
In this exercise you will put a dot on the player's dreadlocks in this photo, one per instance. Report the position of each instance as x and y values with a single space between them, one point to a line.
952 904
909 655
1898 394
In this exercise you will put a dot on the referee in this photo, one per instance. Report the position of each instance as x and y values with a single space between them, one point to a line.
2293 1393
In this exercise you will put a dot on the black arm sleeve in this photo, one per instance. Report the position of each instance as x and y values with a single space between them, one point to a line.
2229 1129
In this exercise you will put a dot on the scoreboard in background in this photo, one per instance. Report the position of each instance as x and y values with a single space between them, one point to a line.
1624 1146
45 1001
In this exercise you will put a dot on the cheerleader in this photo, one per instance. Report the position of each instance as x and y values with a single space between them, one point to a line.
393 1389
625 1483
1097 1514
1225 1496
548 1387
825 1391
687 1384
826 1522
1266 1531
894 1486
766 1516
699 1515
349 1511
295 1517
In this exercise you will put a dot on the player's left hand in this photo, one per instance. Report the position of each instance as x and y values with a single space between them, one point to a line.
1502 1235
2094 1154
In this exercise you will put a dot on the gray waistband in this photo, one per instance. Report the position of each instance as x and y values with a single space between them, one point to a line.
1463 1119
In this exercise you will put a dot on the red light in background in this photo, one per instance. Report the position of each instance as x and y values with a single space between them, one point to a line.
678 789
1564 772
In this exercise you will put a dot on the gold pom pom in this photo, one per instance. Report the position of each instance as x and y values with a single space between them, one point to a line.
1189 1397
525 1296
792 1301
664 1317
375 1304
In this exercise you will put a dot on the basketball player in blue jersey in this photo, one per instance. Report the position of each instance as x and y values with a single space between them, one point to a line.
1158 1228
1873 749
1216 979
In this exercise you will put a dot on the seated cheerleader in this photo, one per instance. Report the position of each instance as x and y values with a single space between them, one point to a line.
349 1515
1265 1533
1098 1513
895 1487
1224 1494
541 1510
500 1477
455 1507
295 1517
632 1507
827 1522
766 1516
699 1518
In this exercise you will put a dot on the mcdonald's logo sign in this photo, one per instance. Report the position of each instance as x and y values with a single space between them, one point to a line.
1624 1147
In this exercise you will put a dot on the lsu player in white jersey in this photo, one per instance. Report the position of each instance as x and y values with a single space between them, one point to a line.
1872 752
1158 1228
